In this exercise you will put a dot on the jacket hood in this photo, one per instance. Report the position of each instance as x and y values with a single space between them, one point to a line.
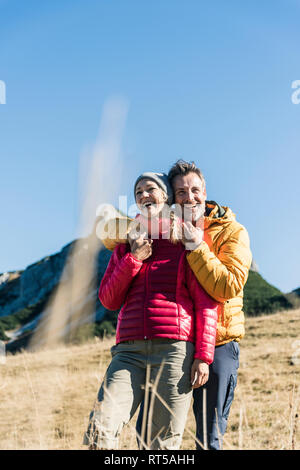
215 211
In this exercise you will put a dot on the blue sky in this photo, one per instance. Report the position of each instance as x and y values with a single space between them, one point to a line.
204 81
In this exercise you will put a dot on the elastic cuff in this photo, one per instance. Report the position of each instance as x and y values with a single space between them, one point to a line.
131 259
201 247
204 359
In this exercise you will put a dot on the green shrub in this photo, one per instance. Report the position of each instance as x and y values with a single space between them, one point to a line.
20 318
3 336
262 297
105 328
82 333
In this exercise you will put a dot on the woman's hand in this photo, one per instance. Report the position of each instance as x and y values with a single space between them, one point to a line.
199 373
141 248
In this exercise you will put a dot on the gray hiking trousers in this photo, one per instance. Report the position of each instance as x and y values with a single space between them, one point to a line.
165 363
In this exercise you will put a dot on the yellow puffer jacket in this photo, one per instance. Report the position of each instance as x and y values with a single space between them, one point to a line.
221 264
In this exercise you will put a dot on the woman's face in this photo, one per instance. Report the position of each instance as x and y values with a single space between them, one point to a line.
150 198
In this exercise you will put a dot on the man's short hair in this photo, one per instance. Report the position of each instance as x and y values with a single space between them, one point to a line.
182 168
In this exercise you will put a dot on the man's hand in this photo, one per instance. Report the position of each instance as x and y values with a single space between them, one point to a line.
199 373
141 248
192 236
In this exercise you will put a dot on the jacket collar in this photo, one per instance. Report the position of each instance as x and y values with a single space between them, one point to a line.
216 213
214 210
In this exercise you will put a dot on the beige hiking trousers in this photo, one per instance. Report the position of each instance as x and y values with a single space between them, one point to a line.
157 371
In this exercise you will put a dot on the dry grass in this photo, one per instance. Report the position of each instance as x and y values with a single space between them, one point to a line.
46 397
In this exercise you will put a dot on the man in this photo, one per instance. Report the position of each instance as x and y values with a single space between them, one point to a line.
220 257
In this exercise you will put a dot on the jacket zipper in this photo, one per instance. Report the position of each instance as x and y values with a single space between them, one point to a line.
146 298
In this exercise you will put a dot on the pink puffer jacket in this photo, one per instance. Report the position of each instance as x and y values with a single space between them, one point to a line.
161 298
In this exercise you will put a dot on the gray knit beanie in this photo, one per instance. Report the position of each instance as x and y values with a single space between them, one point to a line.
163 182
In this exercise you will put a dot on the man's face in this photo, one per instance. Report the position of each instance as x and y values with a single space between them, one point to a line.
190 194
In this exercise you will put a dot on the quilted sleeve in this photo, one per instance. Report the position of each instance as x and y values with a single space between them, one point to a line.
206 316
121 270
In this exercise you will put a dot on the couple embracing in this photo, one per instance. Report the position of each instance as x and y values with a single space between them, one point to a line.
178 275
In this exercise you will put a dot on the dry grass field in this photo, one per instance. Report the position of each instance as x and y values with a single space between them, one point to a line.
46 397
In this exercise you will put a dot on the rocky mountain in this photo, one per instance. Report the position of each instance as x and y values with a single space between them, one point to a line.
26 296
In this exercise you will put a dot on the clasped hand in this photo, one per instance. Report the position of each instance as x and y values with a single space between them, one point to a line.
141 247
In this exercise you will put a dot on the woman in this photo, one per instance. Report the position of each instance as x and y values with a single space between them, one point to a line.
165 333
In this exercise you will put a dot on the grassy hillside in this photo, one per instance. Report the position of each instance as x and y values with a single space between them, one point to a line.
46 397
262 297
